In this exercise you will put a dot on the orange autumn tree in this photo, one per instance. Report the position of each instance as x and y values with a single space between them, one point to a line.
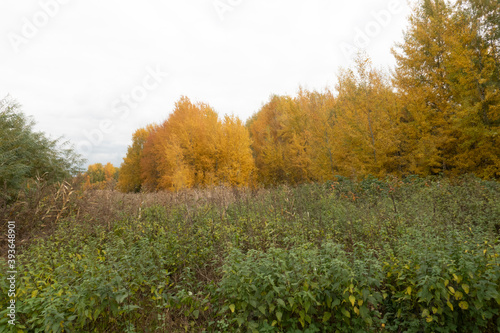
265 128
315 136
235 160
280 135
99 176
193 148
294 138
130 170
188 154
148 160
110 173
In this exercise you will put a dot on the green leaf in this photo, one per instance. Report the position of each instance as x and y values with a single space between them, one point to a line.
335 303
262 309
121 298
279 314
307 305
326 316
281 302
346 313
114 308
97 312
365 313
465 288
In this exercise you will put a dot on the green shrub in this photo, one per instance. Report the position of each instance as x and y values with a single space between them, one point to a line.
411 255
303 288
443 284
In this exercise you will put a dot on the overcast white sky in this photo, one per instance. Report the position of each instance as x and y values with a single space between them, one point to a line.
94 71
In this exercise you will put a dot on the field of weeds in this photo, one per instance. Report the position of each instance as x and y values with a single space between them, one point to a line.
413 255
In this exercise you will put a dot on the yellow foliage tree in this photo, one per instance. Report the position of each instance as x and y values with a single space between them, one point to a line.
367 122
193 148
439 112
474 78
320 110
129 179
99 176
235 164
280 136
447 76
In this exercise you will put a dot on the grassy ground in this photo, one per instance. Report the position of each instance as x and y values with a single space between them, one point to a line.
413 255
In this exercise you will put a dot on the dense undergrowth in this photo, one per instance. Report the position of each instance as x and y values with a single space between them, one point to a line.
413 255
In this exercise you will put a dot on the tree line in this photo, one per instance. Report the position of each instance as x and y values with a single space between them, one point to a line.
436 112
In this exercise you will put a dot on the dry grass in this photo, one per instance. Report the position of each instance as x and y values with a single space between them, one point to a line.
41 206
37 210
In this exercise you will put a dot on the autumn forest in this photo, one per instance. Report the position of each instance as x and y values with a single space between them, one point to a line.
437 112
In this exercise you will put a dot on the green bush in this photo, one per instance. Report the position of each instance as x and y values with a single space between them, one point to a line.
26 154
411 255
447 283
304 288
